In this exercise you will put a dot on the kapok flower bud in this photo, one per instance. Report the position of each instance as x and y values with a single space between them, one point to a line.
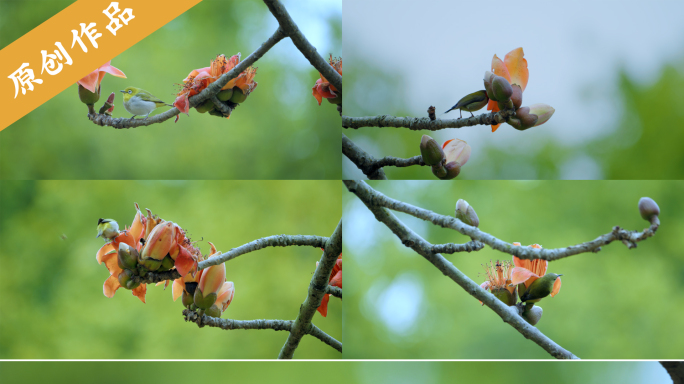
456 150
238 96
213 311
211 282
159 241
439 171
507 297
225 95
533 315
501 88
431 152
125 279
543 111
488 84
466 213
649 210
127 257
453 168
207 105
87 97
517 96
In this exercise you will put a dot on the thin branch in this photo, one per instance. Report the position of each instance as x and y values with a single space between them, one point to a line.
270 241
335 291
324 337
424 248
470 246
230 324
317 287
213 89
629 238
221 106
364 161
424 123
299 40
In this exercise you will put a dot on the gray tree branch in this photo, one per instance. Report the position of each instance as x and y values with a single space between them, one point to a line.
335 291
412 240
317 288
629 238
424 123
270 241
213 89
362 160
470 246
299 40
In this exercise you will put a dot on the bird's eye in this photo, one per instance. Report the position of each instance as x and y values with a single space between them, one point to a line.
129 91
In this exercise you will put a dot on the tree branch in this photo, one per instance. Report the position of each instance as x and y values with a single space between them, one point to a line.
317 288
424 123
335 291
629 238
362 160
230 324
299 40
213 89
470 246
270 241
419 245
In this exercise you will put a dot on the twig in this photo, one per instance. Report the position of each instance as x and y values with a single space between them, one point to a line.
299 40
213 89
424 248
230 324
335 291
629 238
270 241
317 287
362 160
324 337
470 246
424 123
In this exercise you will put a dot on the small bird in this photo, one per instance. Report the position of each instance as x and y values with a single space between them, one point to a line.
107 228
471 103
540 288
140 102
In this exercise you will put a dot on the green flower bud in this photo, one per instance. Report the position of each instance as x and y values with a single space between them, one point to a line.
87 97
501 88
488 84
206 106
439 171
533 315
649 210
127 257
204 302
151 264
431 152
187 299
336 100
125 279
453 168
167 264
238 97
213 311
466 213
225 95
506 296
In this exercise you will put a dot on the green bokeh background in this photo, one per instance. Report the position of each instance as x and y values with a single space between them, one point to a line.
54 308
615 304
280 132
339 372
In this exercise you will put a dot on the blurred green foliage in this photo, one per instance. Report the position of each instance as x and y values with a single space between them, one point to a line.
54 308
644 142
615 304
279 132
339 372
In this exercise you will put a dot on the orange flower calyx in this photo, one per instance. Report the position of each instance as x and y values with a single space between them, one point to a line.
323 89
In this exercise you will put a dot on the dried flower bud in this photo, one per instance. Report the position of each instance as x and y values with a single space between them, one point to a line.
533 315
649 210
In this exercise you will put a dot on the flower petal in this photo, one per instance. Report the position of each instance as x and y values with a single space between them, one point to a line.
111 70
111 285
323 308
556 287
90 81
105 249
140 292
499 68
517 67
185 262
177 288
182 103
520 275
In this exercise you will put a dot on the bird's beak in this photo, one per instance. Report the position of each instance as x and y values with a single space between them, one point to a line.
560 275
122 91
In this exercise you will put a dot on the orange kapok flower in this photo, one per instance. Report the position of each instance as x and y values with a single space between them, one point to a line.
526 272
109 255
336 281
514 69
323 89
499 281
199 79
92 81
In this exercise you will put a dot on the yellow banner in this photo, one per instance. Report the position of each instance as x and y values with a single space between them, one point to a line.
71 45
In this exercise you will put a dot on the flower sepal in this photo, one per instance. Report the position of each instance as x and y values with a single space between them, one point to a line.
126 279
204 301
127 257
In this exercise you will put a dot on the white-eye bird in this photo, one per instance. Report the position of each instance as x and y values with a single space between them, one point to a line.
140 102
107 228
471 103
